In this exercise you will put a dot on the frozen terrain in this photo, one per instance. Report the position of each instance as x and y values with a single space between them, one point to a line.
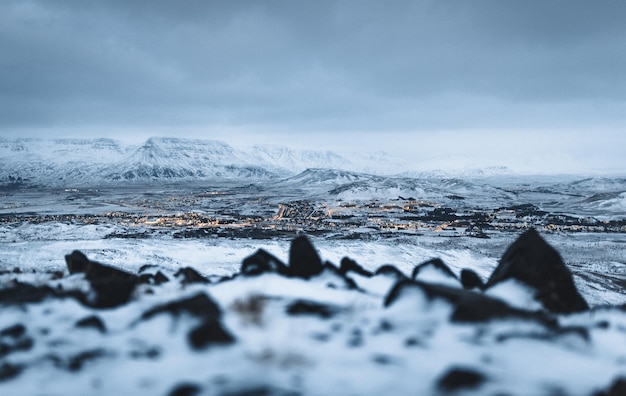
171 204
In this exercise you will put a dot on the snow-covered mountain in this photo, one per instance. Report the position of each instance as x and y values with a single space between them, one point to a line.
95 162
62 162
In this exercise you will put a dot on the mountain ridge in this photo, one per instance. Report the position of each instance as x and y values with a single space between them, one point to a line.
57 162
84 162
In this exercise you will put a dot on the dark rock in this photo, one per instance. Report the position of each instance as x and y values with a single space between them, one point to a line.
146 267
304 262
458 378
24 293
468 306
390 270
471 280
77 262
76 362
160 278
210 332
199 305
93 322
153 279
190 276
532 261
57 275
349 265
304 307
14 331
438 265
185 389
113 286
9 371
14 339
337 280
618 388
262 262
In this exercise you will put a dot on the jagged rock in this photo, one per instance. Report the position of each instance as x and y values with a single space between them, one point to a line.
471 280
93 322
189 276
349 265
458 378
199 305
435 263
113 286
390 270
146 267
262 262
532 261
304 262
76 362
334 278
210 332
306 307
468 306
153 279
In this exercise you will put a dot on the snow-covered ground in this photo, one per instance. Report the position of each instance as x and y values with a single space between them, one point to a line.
354 345
334 334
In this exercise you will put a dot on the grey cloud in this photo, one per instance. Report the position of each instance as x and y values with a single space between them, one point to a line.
347 66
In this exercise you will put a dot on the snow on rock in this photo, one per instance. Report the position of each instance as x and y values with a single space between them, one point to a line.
531 260
307 327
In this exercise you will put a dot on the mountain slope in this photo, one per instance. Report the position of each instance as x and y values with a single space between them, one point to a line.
63 162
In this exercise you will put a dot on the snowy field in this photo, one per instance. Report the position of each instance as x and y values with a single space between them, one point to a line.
218 331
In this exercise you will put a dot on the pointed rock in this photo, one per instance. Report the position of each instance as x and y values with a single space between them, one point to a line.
199 305
435 271
468 306
391 271
113 286
349 265
435 263
189 276
532 261
334 278
262 262
210 332
304 262
471 280
92 322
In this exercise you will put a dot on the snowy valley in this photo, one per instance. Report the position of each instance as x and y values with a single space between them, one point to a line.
206 269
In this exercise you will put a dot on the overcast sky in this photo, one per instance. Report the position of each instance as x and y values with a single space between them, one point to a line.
499 82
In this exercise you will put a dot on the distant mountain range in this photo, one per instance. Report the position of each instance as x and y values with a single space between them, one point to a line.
63 162
95 163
